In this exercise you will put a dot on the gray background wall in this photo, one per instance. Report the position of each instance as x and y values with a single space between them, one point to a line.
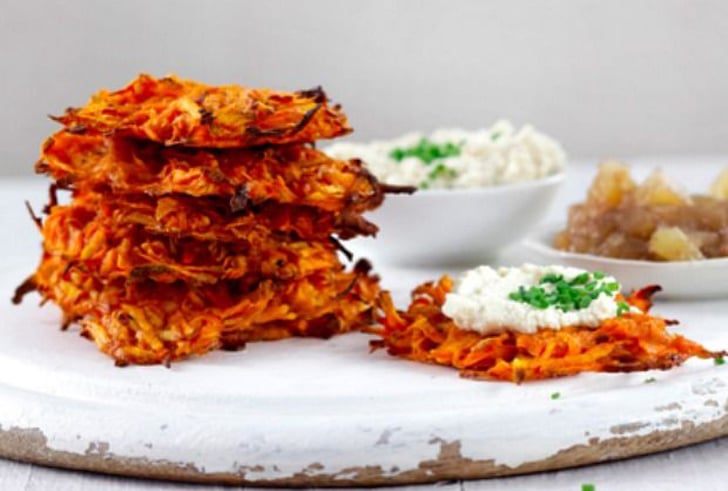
608 78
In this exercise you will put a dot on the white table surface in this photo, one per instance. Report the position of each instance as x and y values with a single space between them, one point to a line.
697 467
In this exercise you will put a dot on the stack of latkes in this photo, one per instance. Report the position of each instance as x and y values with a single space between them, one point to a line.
202 218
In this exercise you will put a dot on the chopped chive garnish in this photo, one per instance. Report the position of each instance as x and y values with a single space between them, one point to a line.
650 380
588 487
555 395
553 290
427 151
719 360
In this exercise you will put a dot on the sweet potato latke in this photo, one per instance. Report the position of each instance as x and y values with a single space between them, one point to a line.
183 112
99 244
286 174
202 218
146 321
631 342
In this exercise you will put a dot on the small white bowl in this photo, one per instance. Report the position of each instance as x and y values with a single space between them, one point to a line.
698 279
455 227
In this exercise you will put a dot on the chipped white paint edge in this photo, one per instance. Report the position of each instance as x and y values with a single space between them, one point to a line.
267 446
311 407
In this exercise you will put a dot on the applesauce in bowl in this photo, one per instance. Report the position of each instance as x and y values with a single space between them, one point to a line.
654 221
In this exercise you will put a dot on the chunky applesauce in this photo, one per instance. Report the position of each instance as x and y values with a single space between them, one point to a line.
654 220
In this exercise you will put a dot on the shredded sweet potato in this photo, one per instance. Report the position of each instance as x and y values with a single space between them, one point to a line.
172 111
226 237
294 174
94 240
634 341
212 218
146 322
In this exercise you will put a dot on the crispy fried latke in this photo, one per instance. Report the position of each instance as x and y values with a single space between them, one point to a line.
294 174
632 342
93 239
147 322
212 218
182 112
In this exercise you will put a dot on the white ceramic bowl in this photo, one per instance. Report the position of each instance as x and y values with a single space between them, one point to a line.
679 280
455 227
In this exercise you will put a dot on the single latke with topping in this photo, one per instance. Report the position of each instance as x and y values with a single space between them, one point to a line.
490 346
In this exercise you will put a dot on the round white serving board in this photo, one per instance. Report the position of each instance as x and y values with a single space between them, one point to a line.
313 412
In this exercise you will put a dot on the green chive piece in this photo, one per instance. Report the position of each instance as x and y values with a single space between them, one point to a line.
555 395
441 170
588 487
650 380
551 278
622 308
580 279
719 360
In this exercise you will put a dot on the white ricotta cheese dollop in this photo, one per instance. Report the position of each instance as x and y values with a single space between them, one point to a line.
491 156
480 301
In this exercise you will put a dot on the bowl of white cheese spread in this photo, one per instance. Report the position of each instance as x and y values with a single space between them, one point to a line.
477 192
